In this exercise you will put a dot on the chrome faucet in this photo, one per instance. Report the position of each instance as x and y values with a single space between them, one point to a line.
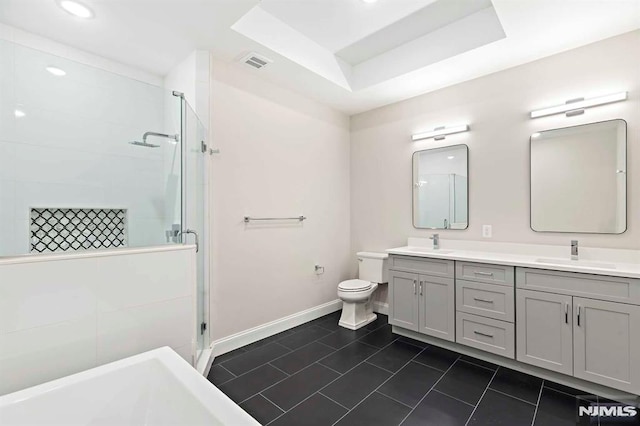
436 241
574 249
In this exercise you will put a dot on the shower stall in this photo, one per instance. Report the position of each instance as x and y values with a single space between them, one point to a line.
93 160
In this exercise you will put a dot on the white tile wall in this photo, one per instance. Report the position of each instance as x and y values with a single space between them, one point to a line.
71 149
63 314
37 355
142 328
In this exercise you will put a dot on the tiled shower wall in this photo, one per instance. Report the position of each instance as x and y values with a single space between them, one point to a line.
67 147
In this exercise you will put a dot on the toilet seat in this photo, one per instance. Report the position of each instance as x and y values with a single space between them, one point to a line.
354 285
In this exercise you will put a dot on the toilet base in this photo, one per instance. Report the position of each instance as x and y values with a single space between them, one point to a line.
356 315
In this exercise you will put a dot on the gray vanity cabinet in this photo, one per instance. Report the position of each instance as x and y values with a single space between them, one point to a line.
437 307
422 296
544 330
591 339
403 300
606 343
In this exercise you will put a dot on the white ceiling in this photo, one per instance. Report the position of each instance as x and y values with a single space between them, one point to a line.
154 35
335 24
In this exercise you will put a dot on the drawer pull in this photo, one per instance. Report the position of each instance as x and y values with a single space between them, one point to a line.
485 274
414 287
479 333
420 288
483 300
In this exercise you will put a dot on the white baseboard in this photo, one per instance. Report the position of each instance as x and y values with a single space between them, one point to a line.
381 308
251 335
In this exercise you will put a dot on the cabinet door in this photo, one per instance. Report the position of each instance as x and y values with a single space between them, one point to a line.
403 300
544 330
606 338
437 307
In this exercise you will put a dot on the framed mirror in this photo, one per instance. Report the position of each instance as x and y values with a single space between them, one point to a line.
579 179
441 188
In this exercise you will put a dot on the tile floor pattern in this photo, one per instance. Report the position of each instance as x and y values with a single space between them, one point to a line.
321 374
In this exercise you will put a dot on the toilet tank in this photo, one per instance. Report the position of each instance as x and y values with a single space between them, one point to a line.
372 267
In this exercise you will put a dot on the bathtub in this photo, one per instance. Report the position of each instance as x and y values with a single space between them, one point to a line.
153 388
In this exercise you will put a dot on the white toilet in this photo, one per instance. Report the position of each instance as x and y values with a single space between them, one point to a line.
357 309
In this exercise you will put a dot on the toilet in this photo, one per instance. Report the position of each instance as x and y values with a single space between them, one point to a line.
357 309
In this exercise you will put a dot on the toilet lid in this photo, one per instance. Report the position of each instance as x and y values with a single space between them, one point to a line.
354 285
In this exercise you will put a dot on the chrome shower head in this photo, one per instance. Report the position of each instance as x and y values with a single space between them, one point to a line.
145 144
175 138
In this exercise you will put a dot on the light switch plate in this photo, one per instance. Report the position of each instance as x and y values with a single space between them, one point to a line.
486 231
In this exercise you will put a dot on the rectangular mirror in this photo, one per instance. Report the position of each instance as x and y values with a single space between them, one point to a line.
579 180
440 188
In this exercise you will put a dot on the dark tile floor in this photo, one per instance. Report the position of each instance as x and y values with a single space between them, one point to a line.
322 374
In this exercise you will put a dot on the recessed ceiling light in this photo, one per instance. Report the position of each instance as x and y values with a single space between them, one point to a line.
451 157
19 113
76 9
56 71
369 1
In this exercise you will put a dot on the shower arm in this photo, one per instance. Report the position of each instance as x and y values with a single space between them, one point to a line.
175 137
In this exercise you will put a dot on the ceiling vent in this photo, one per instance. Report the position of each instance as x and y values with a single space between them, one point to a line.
256 61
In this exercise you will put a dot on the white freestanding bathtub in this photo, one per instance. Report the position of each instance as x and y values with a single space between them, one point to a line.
153 388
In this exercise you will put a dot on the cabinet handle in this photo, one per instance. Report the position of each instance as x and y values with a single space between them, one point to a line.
414 287
579 309
486 274
483 300
566 313
479 333
420 288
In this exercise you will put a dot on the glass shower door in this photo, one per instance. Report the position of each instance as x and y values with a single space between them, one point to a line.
195 211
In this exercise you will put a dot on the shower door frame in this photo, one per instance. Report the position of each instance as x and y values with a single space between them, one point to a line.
203 237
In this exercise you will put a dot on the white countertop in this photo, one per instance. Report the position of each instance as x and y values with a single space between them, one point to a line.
617 263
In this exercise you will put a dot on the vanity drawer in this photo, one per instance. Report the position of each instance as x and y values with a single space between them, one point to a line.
486 334
421 265
486 273
487 300
614 289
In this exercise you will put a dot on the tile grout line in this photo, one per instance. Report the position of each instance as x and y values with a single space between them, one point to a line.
431 389
430 366
535 412
329 346
274 404
393 399
271 365
379 386
328 384
329 368
382 368
482 396
331 399
453 397
511 396
225 368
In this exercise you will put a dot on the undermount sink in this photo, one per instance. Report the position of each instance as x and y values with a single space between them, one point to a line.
429 250
584 263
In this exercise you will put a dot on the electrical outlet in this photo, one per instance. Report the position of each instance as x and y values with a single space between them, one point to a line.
486 231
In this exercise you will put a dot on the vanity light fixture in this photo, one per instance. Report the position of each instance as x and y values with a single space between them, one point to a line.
439 132
76 9
56 71
577 106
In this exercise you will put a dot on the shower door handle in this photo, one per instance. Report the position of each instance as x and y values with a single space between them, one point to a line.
195 234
